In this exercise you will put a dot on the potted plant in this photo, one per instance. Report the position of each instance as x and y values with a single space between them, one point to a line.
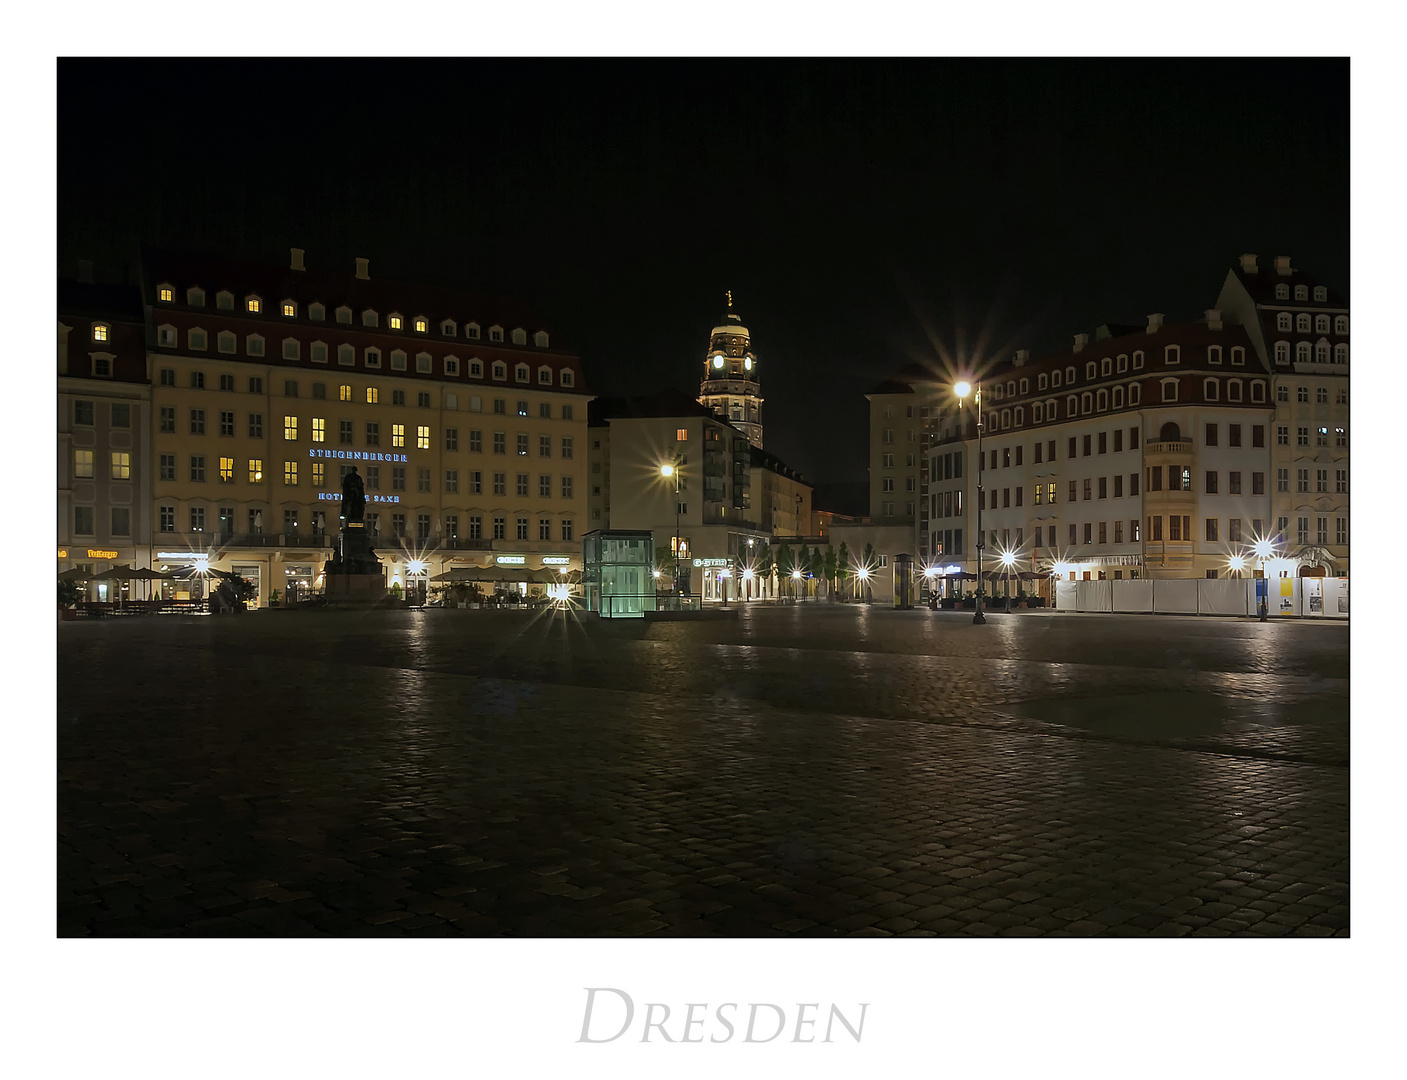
68 597
396 591
274 598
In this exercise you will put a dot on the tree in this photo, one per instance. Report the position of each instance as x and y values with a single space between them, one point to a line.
763 568
830 572
785 560
68 594
842 568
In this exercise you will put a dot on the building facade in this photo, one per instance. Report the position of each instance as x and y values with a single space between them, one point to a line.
1299 329
730 387
269 384
104 420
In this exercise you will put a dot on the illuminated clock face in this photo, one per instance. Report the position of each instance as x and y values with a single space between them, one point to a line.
748 363
718 361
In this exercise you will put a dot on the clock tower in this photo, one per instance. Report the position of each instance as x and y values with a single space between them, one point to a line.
730 386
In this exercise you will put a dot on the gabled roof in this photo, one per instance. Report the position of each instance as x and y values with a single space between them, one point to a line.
667 402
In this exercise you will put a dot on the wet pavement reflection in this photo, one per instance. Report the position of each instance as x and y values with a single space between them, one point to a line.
801 769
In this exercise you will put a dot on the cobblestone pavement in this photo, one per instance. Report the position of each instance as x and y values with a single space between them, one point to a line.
800 770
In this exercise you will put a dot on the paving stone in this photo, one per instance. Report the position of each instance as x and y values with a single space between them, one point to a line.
899 772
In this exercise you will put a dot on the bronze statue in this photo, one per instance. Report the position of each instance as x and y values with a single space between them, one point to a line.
353 496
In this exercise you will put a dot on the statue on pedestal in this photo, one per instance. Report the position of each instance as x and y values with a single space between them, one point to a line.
353 496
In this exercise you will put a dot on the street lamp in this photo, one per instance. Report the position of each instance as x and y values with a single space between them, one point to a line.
667 471
962 389
1008 561
723 576
864 575
795 577
931 573
1263 551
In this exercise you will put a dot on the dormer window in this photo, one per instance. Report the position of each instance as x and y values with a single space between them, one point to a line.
1172 354
394 321
1090 369
495 333
476 369
371 318
471 331
1072 406
1041 381
1214 354
1210 389
568 378
1055 377
1283 321
100 331
447 328
166 336
422 324
1233 390
1321 352
1037 412
1169 389
344 315
1341 324
1321 324
997 392
540 339
500 369
1282 292
1070 375
224 301
289 309
1321 293
1025 387
1301 292
520 373
1106 366
253 305
1282 352
520 336
397 359
317 312
195 297
1302 323
451 365
1137 359
373 358
544 375
423 363
1238 356
166 294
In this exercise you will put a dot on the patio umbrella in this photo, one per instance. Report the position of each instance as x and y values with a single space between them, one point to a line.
75 575
148 575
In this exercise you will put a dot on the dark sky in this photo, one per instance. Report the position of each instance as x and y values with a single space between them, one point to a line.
861 211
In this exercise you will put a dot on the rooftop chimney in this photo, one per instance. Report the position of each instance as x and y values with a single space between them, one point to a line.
361 269
1022 355
85 271
1154 321
297 263
1081 340
1282 265
1248 264
1213 319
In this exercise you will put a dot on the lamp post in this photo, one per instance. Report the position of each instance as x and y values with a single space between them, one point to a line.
1263 552
962 389
667 471
931 573
1008 561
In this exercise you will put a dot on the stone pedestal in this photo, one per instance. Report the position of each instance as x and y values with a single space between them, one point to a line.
354 575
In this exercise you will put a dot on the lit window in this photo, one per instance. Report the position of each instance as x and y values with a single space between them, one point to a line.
290 428
99 332
256 470
373 395
344 392
397 434
319 429
290 473
422 437
227 468
394 322
252 304
83 464
167 294
290 309
421 326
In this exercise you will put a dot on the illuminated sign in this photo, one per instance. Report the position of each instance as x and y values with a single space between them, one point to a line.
952 569
511 560
63 553
328 496
713 562
98 553
555 560
183 556
355 455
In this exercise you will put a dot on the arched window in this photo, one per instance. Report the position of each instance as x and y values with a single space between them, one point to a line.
1041 381
1302 352
397 359
1135 394
1091 369
1050 410
1137 359
520 372
1321 351
1301 292
544 375
373 358
1019 416
1101 400
1341 324
500 369
1086 403
1284 321
1123 363
1258 392
1037 412
1341 353
1321 324
1169 389
1213 354
1006 418
1321 293
1072 406
1172 354
1069 375
1055 377
1282 292
1238 355
1233 390
1210 389
1169 432
1302 322
1118 397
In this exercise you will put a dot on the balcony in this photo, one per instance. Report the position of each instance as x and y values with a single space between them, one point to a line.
1167 446
741 480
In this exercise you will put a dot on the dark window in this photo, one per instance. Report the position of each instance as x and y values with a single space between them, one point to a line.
1234 437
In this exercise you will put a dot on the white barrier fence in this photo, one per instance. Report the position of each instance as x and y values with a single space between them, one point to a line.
1312 598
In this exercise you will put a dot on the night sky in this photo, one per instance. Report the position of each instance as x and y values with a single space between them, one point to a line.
865 214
